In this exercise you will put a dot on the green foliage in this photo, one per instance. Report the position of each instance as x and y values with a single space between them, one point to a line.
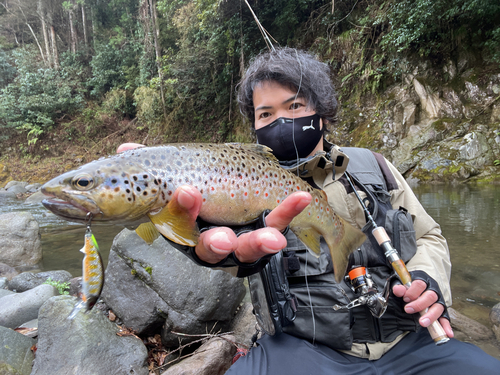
119 101
7 71
114 66
148 105
39 95
62 287
440 28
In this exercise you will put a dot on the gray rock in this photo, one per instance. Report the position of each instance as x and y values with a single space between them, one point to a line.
137 305
35 198
473 329
5 292
4 283
197 299
243 325
11 184
19 239
495 314
86 345
19 308
15 352
212 358
7 271
29 280
17 189
4 194
33 187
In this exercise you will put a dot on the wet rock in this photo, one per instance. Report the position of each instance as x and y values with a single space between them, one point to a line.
11 184
31 188
7 271
16 357
4 283
195 299
495 314
212 358
19 239
4 194
495 319
86 345
5 292
35 198
243 325
17 189
19 308
430 101
468 326
139 306
29 280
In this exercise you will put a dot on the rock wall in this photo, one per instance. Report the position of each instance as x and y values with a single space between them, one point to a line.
434 126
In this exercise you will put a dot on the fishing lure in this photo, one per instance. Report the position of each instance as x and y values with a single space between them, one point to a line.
93 273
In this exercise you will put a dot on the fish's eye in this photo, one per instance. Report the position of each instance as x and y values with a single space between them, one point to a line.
83 182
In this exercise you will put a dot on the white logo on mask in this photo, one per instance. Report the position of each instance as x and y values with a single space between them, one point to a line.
304 128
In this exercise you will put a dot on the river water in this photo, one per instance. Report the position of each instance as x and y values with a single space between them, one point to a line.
469 217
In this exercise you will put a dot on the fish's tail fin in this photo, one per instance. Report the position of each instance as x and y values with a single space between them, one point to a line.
342 246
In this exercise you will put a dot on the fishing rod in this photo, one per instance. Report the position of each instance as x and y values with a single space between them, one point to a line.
435 329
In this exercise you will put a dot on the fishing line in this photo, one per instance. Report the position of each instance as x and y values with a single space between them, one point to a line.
263 31
297 156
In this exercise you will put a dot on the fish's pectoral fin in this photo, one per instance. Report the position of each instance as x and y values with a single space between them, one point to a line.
341 248
176 224
148 232
309 237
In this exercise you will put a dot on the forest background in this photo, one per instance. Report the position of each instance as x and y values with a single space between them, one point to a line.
79 77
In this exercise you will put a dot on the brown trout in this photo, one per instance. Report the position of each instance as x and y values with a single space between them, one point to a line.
237 182
93 275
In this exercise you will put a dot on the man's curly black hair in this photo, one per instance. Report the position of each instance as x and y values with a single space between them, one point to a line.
295 69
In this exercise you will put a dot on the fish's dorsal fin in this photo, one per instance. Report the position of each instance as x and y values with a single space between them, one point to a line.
148 232
175 223
260 150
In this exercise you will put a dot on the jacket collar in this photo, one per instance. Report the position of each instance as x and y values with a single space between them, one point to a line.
333 161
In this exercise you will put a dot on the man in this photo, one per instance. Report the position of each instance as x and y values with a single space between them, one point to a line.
290 100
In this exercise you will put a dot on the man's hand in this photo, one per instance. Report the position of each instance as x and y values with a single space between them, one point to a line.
217 243
418 299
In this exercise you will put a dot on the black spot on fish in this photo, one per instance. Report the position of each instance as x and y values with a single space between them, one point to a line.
130 199
145 176
155 181
138 188
145 193
127 190
135 178
114 181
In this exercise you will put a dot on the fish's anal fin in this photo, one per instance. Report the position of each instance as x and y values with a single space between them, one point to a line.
351 239
148 232
176 224
309 237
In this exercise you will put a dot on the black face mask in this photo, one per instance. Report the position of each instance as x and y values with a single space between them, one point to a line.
288 137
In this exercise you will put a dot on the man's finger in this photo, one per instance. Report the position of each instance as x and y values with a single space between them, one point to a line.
293 205
128 146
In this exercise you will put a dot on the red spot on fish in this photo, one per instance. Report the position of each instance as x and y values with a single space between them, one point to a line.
232 195
317 200
245 193
212 188
204 200
298 187
266 195
277 200
257 192
169 192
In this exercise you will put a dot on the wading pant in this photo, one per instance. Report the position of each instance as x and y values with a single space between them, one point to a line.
415 354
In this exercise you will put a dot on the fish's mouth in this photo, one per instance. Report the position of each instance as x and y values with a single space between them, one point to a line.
69 209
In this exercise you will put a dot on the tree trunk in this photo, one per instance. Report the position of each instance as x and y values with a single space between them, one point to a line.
41 14
55 52
84 24
156 35
72 29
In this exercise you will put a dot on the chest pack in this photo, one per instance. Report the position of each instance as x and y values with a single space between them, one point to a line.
296 292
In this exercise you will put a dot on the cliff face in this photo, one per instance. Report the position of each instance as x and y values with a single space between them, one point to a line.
436 125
